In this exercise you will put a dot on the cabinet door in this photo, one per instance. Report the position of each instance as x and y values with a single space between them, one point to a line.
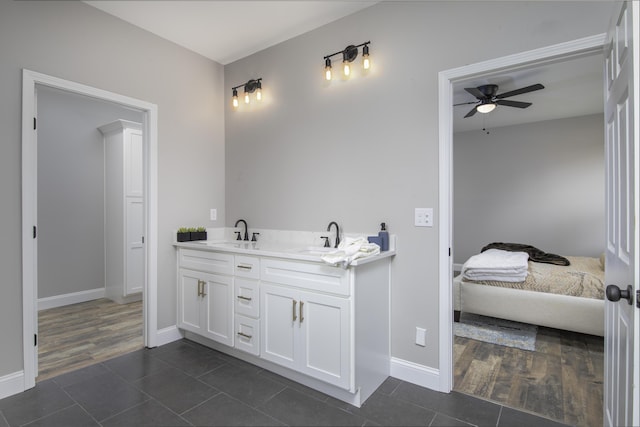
325 337
189 302
218 308
279 324
134 247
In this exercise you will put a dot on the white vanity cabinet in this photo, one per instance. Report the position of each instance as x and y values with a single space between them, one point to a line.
325 327
205 294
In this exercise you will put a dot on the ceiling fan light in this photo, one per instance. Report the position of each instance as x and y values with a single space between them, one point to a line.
486 107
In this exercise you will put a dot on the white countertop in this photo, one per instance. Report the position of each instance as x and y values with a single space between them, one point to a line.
286 250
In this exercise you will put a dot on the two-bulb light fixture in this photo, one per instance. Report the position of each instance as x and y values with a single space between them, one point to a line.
349 54
253 85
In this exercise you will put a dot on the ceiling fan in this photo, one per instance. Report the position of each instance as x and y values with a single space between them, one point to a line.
488 98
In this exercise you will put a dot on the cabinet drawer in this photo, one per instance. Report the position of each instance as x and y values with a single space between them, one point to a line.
247 266
311 276
210 262
247 332
247 297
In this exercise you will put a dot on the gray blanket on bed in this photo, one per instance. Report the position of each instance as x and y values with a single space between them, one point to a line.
535 254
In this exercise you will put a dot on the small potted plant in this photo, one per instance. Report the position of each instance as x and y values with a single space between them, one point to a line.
184 235
199 233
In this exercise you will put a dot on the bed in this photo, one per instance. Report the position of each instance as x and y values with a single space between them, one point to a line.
562 297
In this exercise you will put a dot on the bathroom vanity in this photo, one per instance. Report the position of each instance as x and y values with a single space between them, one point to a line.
278 306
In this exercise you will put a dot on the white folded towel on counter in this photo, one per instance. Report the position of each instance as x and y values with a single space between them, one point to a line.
497 265
350 249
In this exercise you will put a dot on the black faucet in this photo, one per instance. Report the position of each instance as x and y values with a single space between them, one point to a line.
337 232
246 227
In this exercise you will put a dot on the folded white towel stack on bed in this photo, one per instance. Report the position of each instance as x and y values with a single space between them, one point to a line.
497 265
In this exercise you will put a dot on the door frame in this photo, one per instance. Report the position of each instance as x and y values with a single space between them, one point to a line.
550 54
29 207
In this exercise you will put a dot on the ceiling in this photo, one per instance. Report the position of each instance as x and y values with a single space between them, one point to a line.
226 31
572 88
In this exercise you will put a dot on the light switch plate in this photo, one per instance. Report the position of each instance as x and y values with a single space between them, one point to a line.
421 337
213 214
424 217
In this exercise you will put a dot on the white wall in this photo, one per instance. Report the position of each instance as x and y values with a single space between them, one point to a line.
77 42
71 190
540 183
366 150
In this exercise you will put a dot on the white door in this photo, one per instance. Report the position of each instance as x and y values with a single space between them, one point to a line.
134 240
279 323
621 270
325 338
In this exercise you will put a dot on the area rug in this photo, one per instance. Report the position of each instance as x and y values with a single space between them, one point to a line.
496 331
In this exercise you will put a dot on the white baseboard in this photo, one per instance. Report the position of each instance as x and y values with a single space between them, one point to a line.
11 384
68 299
410 372
167 335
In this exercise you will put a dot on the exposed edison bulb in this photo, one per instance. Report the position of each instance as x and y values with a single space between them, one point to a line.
327 69
366 63
247 99
234 99
346 68
258 94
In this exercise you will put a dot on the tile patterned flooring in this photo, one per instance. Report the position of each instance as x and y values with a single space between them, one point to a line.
186 384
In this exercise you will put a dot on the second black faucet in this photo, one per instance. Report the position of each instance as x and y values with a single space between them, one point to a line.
337 232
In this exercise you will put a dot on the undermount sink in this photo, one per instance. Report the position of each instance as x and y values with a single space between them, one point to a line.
315 250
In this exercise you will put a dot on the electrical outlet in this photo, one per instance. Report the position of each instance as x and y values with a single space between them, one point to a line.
424 217
213 214
421 337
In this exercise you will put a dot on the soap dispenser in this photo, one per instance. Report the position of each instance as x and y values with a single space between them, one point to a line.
384 237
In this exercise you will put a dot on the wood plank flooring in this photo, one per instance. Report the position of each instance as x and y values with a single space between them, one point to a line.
79 335
562 379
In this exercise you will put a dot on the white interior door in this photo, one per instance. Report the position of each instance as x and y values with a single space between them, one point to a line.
621 271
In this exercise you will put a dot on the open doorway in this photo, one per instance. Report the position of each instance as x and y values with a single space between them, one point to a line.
552 54
30 197
90 215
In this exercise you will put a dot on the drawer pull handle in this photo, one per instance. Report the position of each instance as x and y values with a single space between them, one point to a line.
244 267
203 293
245 335
244 298
301 316
294 310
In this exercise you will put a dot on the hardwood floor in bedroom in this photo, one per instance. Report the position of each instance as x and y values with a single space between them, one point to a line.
562 379
79 335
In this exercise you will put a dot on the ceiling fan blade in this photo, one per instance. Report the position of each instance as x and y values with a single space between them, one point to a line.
520 91
475 92
466 103
472 112
516 104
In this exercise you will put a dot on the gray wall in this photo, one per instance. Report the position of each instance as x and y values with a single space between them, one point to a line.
366 150
539 183
71 190
74 41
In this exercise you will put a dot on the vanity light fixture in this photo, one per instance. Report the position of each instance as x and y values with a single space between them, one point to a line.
349 54
253 85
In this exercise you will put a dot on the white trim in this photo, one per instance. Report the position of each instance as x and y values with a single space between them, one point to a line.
11 384
72 298
549 54
168 335
414 373
29 211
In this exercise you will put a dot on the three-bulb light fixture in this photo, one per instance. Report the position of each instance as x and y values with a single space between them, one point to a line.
253 85
349 54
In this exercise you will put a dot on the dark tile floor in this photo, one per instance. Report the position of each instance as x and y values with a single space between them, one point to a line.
186 384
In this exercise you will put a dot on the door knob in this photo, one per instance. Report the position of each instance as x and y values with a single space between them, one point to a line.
614 293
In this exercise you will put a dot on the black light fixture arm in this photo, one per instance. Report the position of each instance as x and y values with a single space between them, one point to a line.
251 84
346 49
